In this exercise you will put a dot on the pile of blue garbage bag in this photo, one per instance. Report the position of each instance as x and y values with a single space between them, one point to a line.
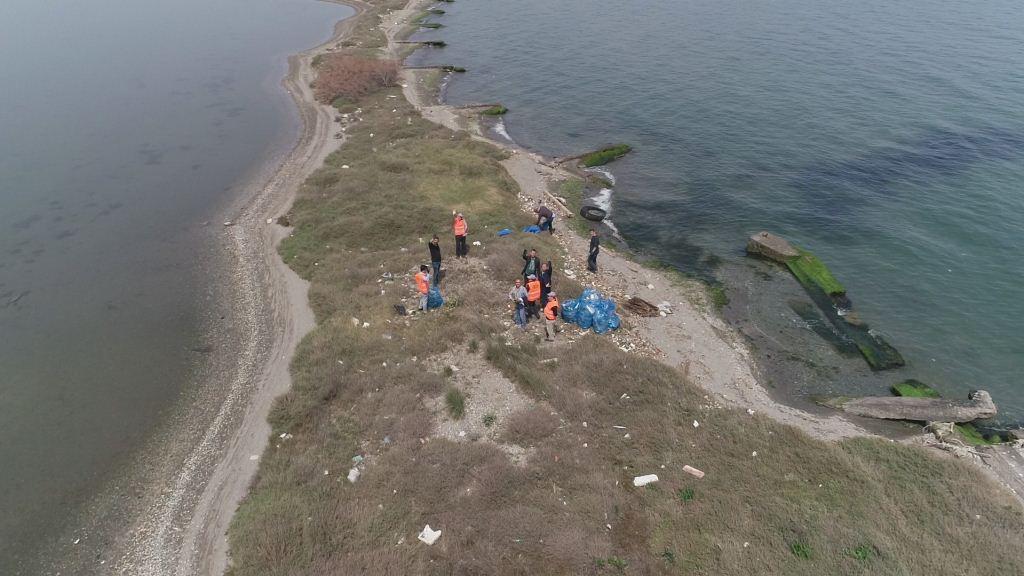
591 310
434 299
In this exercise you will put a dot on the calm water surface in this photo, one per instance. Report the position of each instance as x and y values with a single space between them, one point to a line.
887 137
123 125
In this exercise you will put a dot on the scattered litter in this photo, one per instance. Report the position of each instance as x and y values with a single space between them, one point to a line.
353 475
650 286
428 536
454 368
270 220
504 232
366 324
476 243
624 396
462 433
77 540
355 321
645 480
254 457
327 472
627 436
693 471
696 424
750 412
533 229
619 427
285 436
549 361
357 459
228 223
746 544
584 424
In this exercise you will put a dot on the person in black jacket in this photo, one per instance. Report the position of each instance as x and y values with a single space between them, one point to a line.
435 258
595 247
545 282
532 265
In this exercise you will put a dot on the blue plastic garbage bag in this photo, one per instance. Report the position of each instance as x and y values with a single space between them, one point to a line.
504 232
534 229
584 317
434 299
569 309
614 322
592 310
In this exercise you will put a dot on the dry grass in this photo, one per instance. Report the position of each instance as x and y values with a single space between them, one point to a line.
571 507
352 77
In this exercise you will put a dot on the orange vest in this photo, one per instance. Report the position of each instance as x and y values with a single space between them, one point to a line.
533 290
421 283
459 226
549 310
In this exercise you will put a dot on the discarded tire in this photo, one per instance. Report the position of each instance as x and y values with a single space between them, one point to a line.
593 213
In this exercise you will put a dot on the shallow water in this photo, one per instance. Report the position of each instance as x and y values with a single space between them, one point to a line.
886 137
124 127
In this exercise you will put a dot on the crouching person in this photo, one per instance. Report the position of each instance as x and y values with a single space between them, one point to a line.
551 312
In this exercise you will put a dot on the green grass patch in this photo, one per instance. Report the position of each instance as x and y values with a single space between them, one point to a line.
455 400
605 155
914 389
811 271
685 494
489 420
498 110
456 69
801 550
863 553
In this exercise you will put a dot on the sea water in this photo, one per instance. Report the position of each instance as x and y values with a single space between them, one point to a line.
125 127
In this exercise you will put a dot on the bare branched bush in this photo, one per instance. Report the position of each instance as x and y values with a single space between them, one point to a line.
351 77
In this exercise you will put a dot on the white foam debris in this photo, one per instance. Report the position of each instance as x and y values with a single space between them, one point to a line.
645 479
428 536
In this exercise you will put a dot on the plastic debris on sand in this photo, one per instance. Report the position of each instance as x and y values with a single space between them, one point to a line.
428 536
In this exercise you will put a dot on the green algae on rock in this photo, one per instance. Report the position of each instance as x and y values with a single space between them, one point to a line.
605 155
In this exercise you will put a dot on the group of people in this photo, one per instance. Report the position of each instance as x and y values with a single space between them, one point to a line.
532 295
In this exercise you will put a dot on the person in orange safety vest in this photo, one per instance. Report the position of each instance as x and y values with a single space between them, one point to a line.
423 286
533 296
460 228
551 311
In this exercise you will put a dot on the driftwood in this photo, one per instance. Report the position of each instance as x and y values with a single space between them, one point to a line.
979 405
641 307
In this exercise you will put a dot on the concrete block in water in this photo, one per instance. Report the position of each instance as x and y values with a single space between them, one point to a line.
772 247
979 405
